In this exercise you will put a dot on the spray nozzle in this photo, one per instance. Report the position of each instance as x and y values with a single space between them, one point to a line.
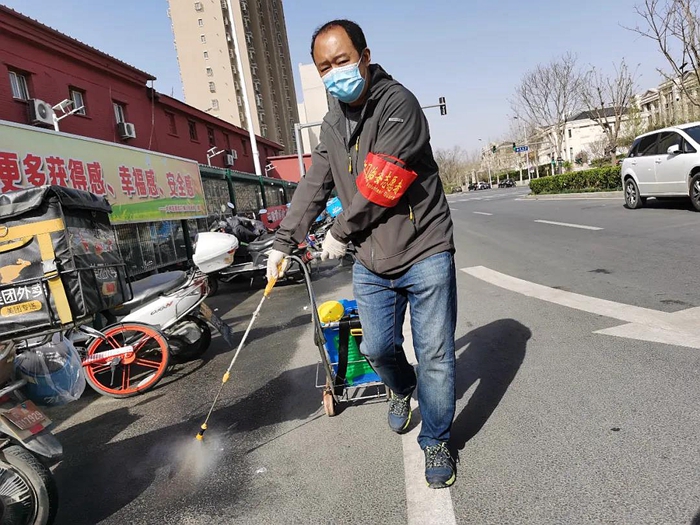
200 434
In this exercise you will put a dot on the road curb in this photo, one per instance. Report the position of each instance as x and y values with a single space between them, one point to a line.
587 195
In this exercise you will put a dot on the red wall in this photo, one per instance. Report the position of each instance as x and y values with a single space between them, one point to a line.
287 167
54 63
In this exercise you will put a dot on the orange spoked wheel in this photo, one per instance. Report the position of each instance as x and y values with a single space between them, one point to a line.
130 360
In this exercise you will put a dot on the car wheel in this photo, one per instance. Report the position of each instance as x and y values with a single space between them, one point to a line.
632 198
695 191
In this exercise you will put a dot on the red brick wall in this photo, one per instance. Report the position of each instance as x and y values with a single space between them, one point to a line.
54 64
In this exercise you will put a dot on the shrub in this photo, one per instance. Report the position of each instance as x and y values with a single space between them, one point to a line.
598 179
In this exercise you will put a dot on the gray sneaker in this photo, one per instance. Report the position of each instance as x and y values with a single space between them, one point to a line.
399 412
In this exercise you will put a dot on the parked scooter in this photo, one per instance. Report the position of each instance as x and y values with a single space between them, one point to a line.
251 260
170 301
163 313
28 493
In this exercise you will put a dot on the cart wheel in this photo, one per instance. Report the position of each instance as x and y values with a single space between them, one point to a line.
328 403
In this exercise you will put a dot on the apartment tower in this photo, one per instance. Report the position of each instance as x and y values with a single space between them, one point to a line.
211 80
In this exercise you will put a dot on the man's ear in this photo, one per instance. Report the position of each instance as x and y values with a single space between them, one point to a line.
367 56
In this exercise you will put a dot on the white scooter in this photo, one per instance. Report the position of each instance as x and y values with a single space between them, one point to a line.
170 301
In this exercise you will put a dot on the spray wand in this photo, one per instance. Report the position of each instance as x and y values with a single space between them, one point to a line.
268 289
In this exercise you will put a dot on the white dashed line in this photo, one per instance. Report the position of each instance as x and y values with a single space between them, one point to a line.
568 225
482 213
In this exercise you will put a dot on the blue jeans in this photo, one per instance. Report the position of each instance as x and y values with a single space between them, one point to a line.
430 287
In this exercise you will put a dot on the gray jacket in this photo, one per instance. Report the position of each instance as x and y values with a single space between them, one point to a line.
389 238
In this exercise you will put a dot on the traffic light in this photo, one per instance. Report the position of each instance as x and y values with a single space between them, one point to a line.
443 106
514 146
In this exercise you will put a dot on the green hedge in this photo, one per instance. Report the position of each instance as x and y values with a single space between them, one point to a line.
598 179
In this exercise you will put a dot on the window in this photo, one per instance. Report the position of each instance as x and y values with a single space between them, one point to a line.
647 145
193 130
198 6
203 38
694 133
212 137
666 140
200 22
634 150
212 87
244 146
215 103
18 81
227 140
78 98
210 72
172 127
687 147
571 153
206 55
119 112
569 133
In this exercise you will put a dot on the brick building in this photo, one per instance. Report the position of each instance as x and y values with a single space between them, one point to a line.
39 64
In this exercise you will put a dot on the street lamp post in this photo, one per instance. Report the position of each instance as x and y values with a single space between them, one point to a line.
488 160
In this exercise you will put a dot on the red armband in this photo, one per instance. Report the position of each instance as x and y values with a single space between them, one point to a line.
383 182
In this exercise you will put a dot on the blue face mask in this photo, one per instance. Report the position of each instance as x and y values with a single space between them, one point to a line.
345 83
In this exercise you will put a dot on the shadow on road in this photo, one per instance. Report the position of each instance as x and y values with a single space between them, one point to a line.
696 519
98 476
670 203
492 355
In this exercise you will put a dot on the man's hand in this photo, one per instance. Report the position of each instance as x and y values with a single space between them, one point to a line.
274 260
332 248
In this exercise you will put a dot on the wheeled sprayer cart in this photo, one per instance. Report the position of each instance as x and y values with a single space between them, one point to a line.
337 334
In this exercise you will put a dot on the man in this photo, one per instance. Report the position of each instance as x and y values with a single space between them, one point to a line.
375 151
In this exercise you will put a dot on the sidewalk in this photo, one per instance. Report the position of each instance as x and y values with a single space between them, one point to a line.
593 195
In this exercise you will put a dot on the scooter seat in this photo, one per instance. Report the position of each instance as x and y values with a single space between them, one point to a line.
262 243
145 290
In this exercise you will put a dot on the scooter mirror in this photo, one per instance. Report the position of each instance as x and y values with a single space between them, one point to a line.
230 205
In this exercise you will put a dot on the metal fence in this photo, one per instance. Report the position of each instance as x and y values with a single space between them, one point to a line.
151 245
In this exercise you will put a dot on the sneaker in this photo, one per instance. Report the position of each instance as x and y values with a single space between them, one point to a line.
440 469
399 413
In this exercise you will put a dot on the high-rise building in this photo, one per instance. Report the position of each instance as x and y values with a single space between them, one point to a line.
314 107
210 77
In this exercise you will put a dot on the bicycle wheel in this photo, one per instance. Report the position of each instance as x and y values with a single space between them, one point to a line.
132 374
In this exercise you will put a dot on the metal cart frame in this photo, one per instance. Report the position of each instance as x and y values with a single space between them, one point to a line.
334 391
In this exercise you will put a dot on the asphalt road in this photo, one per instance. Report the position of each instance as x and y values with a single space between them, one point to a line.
556 423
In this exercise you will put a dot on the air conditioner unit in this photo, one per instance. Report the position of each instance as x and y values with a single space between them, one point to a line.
40 112
229 160
127 130
233 153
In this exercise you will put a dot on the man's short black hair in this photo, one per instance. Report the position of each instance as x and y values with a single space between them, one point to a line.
354 31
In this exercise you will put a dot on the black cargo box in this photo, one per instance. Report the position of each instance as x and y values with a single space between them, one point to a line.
59 260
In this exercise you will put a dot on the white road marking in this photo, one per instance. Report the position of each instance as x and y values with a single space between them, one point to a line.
424 506
569 225
533 199
645 324
453 208
482 213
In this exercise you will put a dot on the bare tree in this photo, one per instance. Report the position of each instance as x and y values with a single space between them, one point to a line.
598 149
454 164
608 98
548 95
675 27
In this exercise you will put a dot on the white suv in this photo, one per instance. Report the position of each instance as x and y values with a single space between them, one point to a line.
664 163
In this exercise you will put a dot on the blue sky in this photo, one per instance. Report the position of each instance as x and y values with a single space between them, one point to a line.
473 52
